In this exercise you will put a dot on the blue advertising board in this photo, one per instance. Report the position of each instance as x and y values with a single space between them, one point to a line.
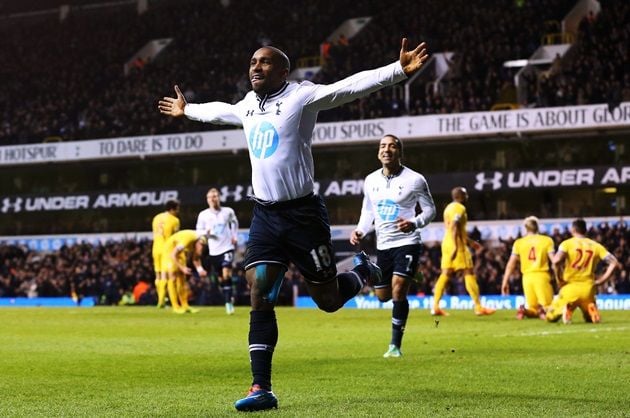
56 302
604 302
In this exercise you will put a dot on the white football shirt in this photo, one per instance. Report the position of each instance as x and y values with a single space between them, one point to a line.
279 127
386 199
222 227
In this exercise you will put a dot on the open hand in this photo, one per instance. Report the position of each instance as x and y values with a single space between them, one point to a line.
173 106
412 61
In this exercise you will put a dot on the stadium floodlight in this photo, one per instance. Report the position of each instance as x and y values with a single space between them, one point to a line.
515 63
523 63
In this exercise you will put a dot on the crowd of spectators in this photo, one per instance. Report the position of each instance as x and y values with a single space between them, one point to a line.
66 78
482 36
598 71
112 273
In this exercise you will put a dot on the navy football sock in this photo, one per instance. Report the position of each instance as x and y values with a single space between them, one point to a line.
227 293
400 313
263 336
349 285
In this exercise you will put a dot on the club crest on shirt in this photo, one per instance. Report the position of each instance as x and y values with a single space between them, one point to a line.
387 209
263 140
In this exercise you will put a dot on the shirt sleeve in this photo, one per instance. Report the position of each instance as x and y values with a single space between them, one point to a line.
201 224
602 252
515 248
426 204
563 247
234 224
361 84
458 213
549 247
367 215
218 113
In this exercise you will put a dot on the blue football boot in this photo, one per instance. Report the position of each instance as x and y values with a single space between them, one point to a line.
375 275
257 399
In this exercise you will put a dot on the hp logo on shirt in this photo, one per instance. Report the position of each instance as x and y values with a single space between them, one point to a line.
387 209
263 140
218 229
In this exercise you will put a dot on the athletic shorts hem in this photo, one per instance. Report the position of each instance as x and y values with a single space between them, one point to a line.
255 263
319 283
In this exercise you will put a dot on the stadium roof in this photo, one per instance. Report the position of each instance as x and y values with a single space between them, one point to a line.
9 7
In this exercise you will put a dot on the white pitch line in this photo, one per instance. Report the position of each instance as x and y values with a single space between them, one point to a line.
568 330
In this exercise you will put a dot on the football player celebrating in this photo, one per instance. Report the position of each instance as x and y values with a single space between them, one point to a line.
289 222
390 197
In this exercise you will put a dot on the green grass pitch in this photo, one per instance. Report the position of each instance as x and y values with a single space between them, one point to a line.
144 362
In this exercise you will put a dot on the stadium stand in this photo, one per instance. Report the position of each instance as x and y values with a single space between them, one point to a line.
64 81
110 272
66 78
599 73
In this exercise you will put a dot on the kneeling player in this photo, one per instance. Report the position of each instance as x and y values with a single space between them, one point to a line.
575 264
534 251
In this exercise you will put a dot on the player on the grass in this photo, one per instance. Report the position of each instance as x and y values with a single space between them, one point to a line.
391 194
534 251
222 227
164 225
177 249
575 264
455 254
289 222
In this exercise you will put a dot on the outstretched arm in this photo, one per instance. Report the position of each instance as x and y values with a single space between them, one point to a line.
173 106
328 96
412 61
213 112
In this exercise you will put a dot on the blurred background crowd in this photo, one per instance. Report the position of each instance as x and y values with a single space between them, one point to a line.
66 80
121 272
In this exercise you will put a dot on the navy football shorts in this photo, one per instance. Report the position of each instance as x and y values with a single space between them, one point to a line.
401 261
216 263
295 231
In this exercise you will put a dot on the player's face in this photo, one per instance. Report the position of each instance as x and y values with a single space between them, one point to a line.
213 199
388 151
266 72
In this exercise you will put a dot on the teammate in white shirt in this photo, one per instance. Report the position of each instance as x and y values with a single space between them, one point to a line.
391 195
221 225
289 222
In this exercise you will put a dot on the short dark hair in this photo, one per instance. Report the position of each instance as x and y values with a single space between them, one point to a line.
172 204
579 225
284 59
398 143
